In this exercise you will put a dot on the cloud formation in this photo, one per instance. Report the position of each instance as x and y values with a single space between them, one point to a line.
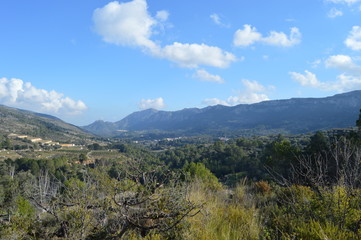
218 21
315 63
344 63
126 24
353 40
349 80
203 75
249 35
333 13
162 15
308 79
130 24
254 92
348 2
157 103
193 55
343 83
14 92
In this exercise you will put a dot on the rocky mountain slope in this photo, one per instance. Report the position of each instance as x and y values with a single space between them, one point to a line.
44 126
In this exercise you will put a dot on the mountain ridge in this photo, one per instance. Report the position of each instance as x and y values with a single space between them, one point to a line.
20 121
294 115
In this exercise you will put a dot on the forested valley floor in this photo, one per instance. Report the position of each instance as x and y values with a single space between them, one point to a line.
275 187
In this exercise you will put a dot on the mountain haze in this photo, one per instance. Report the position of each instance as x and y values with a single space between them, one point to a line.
296 115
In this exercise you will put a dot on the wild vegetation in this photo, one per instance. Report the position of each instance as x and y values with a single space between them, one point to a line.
305 187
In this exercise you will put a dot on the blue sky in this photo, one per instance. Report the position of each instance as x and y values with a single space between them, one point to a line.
87 60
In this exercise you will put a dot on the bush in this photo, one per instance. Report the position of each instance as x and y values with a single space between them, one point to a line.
222 218
200 172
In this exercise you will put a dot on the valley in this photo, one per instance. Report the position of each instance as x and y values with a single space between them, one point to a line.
59 181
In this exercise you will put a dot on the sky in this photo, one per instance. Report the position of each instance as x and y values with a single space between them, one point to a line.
87 60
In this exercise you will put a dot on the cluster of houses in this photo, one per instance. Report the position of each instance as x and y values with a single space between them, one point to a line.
40 140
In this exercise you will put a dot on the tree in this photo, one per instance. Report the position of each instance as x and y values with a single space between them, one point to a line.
340 165
149 200
6 144
318 143
82 157
280 155
141 200
358 121
95 146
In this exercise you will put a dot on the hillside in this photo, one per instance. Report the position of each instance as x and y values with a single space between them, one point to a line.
296 115
19 121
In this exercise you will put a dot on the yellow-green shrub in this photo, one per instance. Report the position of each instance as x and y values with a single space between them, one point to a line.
222 218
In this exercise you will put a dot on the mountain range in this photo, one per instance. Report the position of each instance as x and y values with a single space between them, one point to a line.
289 116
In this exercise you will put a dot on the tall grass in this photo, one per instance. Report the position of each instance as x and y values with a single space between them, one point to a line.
226 214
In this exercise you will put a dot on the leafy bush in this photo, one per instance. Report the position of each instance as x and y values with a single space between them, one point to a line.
200 172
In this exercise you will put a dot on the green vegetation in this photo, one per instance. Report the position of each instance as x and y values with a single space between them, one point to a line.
275 187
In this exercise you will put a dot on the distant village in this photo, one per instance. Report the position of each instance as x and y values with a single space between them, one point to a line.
40 140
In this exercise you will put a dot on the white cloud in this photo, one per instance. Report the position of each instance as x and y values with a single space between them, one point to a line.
127 24
162 15
333 13
349 2
249 35
353 40
315 63
343 63
254 92
281 39
344 82
14 92
244 98
247 98
216 19
157 103
130 24
347 83
203 75
193 55
307 79
339 61
253 86
349 80
214 101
